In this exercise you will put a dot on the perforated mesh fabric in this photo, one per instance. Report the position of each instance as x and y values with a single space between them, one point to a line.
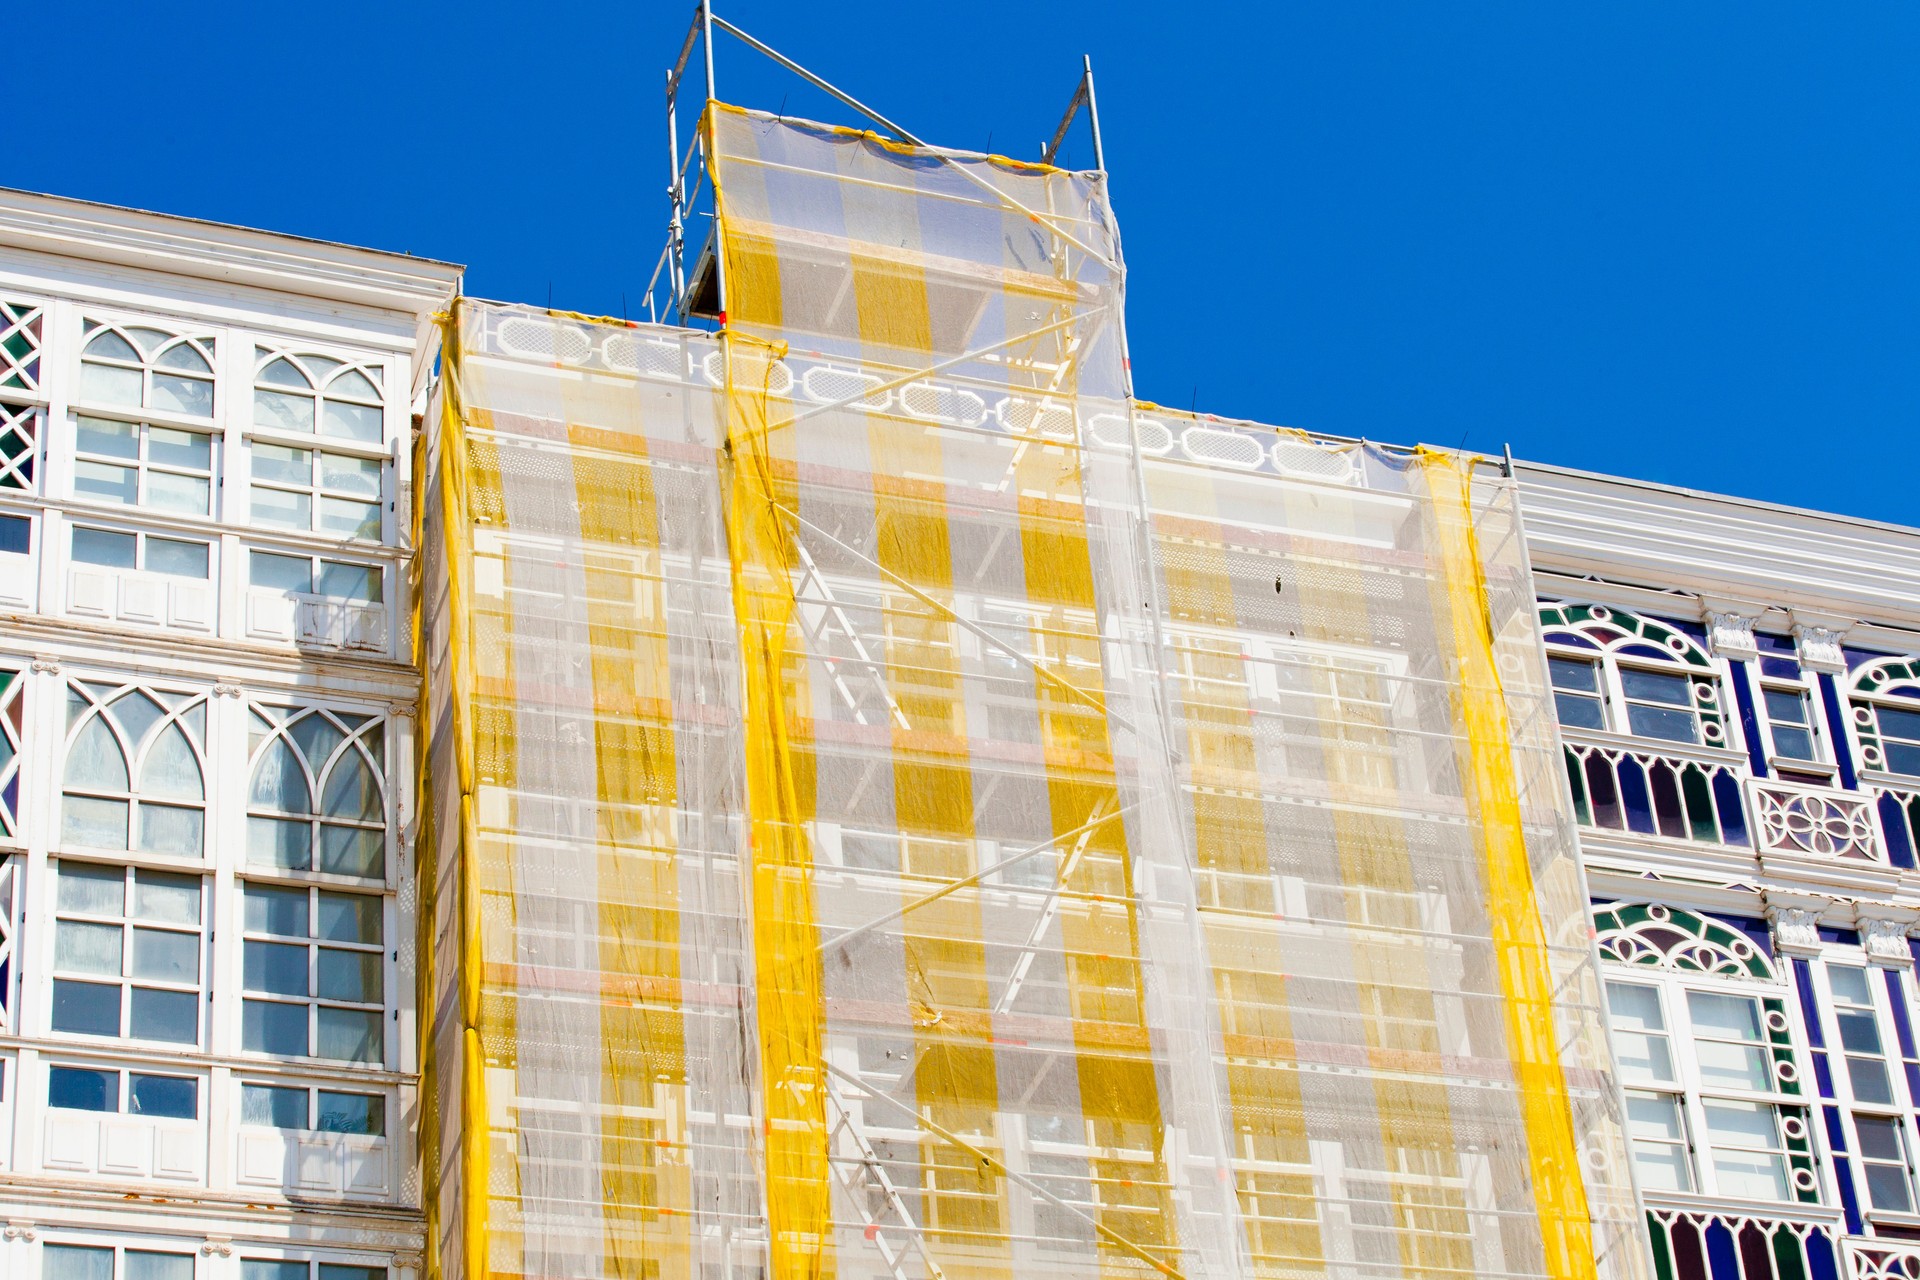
903 810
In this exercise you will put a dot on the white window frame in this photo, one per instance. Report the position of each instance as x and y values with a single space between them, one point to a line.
120 1248
1808 691
141 538
128 923
314 1262
315 946
204 340
380 451
123 1074
1901 1108
312 1089
206 758
142 464
1693 1093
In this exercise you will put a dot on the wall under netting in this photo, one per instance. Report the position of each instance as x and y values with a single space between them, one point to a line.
901 809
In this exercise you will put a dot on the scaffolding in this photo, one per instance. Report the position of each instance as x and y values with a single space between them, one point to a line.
902 808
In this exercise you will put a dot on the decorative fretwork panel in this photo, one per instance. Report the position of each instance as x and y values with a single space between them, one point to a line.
1720 1246
21 326
1814 822
13 701
1882 1260
19 445
1651 794
1663 937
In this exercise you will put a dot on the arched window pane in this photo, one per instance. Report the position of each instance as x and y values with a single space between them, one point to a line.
352 791
108 345
150 340
279 782
284 373
317 737
136 714
95 761
353 385
167 829
322 365
182 356
170 769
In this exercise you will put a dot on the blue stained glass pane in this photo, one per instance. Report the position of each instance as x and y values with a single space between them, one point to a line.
1893 822
1820 1262
1726 798
1633 794
1721 1256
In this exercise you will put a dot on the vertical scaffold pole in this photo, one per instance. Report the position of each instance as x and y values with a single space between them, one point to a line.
1093 113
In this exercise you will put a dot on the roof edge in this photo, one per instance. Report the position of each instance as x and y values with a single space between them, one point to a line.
224 253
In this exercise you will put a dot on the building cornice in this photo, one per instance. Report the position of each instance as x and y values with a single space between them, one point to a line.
225 254
1860 571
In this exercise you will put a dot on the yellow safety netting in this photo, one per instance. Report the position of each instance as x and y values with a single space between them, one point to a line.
901 809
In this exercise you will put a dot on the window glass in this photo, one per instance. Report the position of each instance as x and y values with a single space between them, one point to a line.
1860 1041
1883 1155
104 547
1576 692
341 1271
1640 1040
351 1113
1659 705
16 535
75 1262
293 574
1900 738
1658 1134
177 558
1789 716
175 1097
274 1269
1748 1159
130 464
274 1105
83 1089
1729 1046
310 973
143 1265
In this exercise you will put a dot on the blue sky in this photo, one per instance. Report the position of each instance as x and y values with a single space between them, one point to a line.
1671 241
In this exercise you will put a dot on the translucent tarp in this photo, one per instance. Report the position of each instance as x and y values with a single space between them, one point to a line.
903 810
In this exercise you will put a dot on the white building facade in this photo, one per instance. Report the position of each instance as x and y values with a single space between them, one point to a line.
208 1023
207 1031
1739 703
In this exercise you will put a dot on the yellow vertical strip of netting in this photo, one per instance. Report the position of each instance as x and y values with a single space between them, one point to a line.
762 502
645 1190
1519 940
1099 931
456 502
